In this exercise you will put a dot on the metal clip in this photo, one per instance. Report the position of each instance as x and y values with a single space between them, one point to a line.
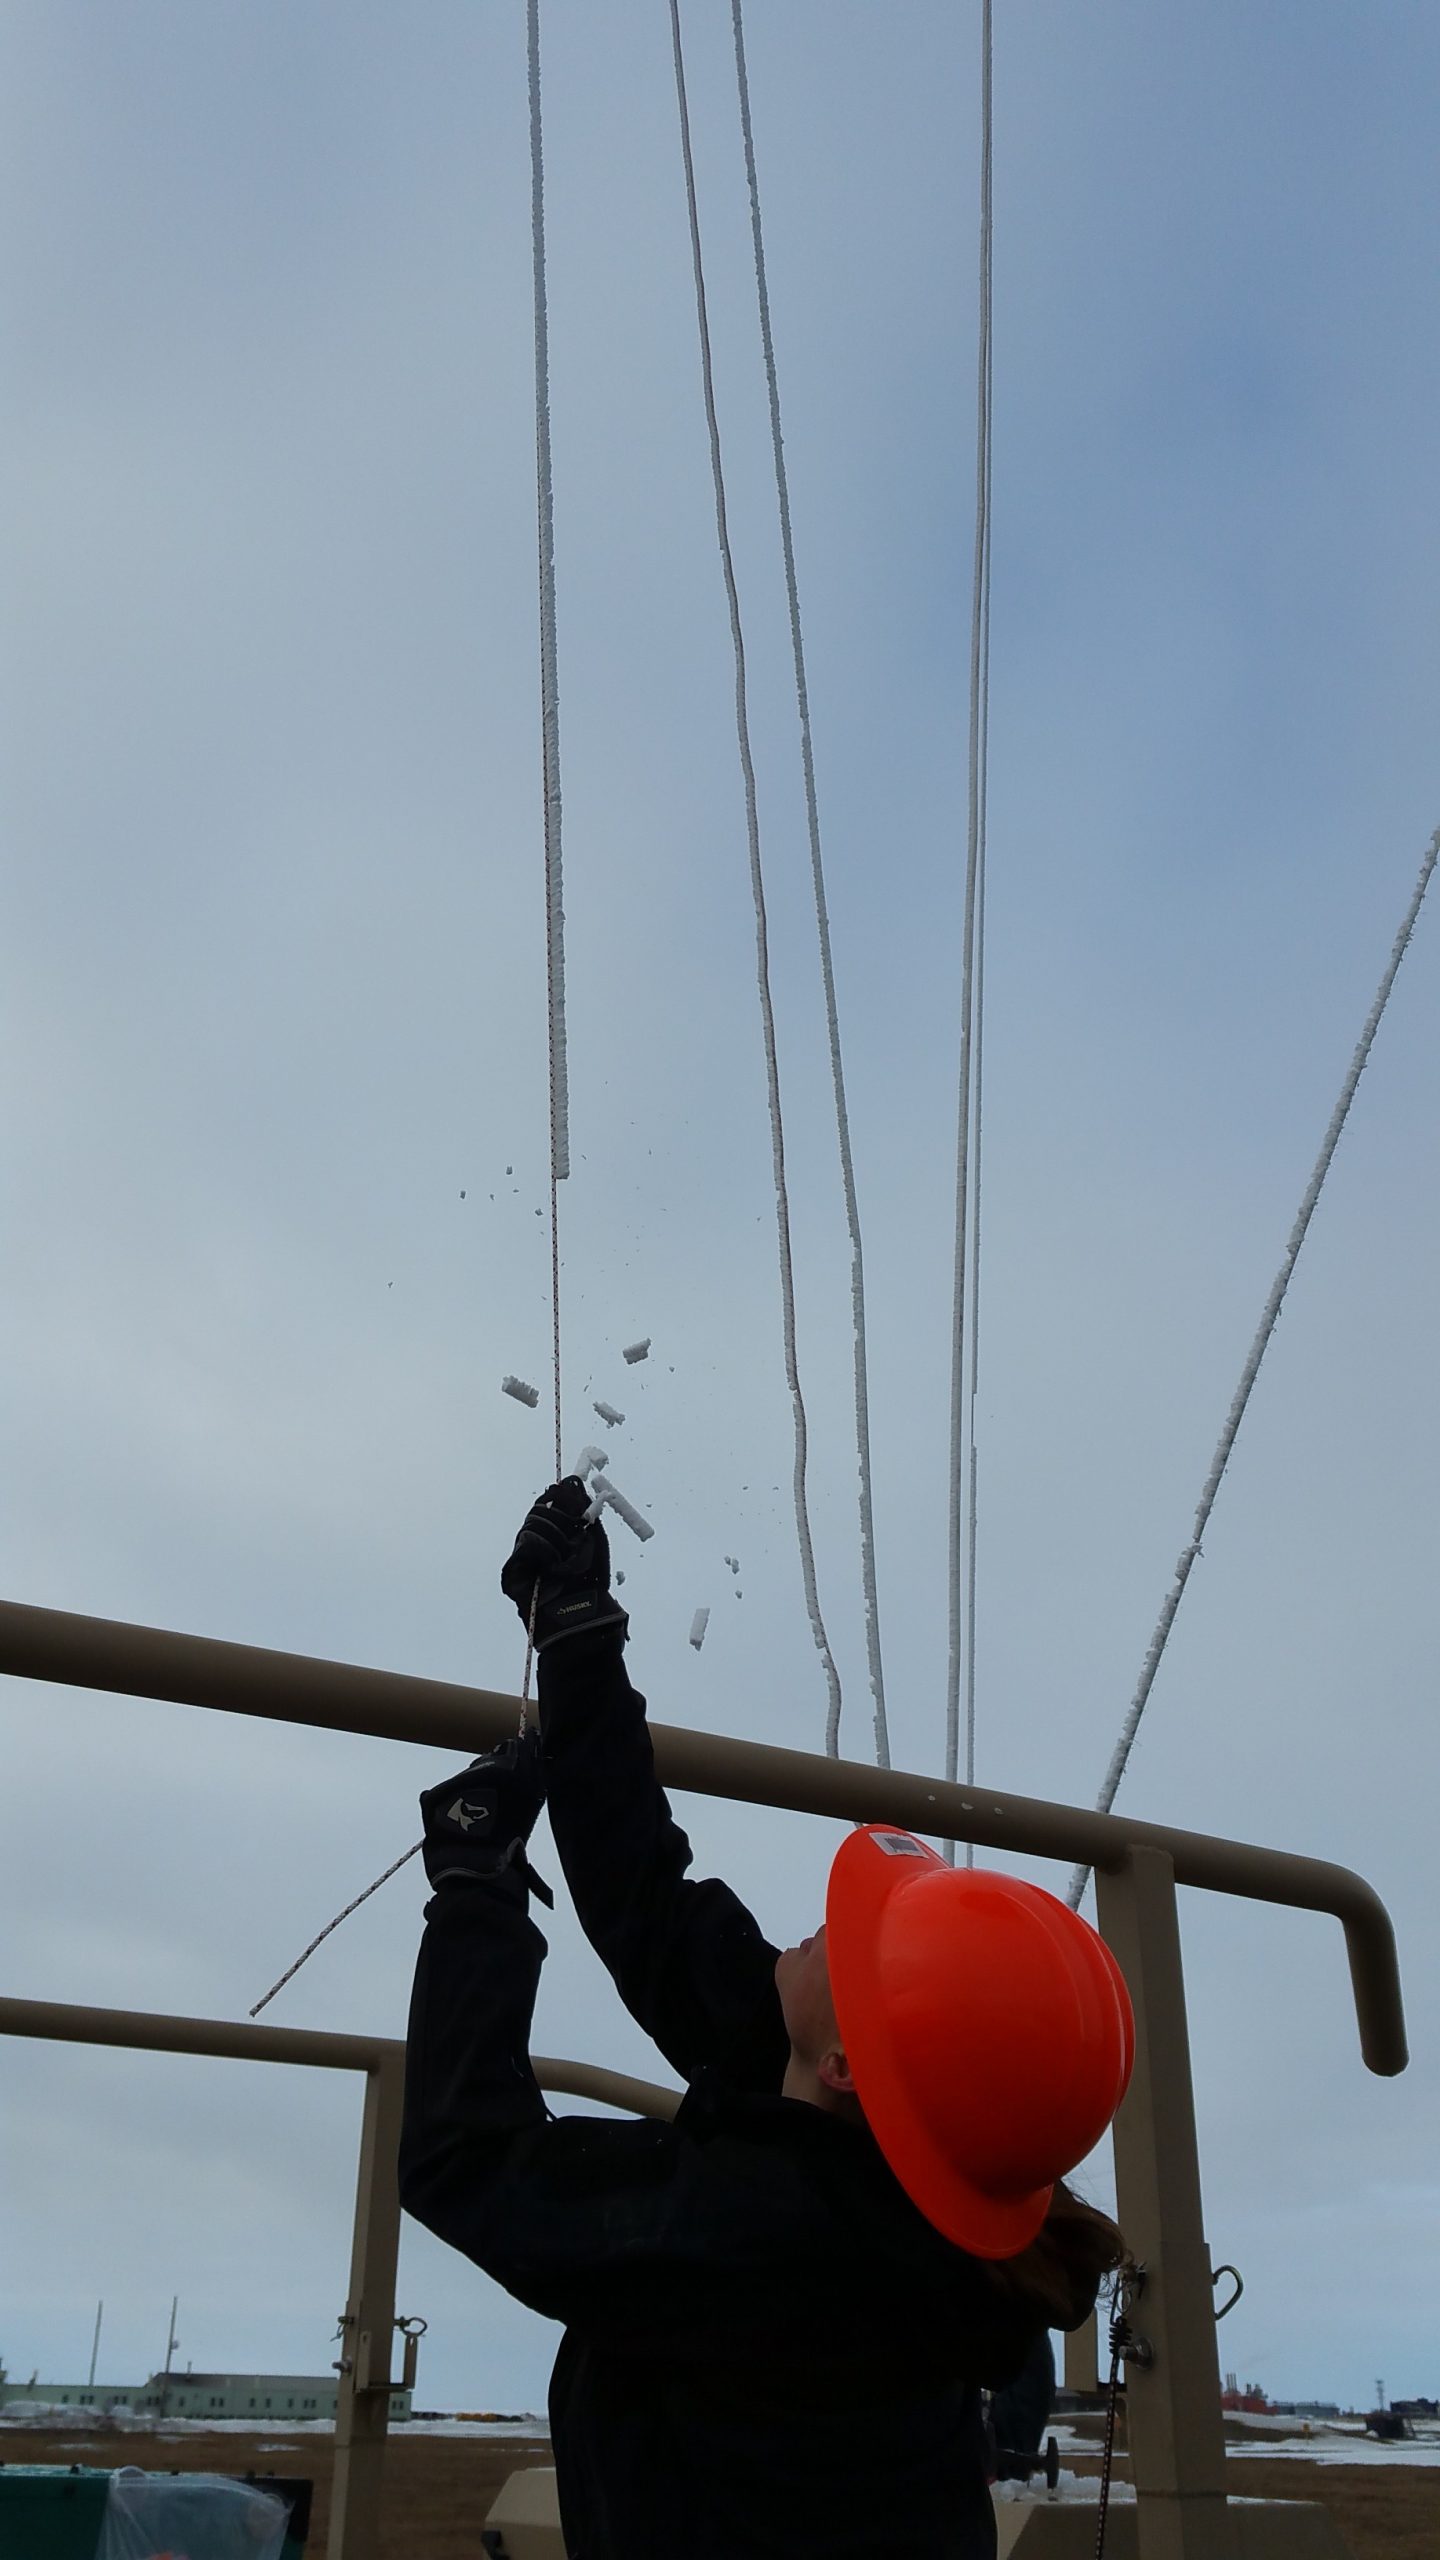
1235 2296
412 2331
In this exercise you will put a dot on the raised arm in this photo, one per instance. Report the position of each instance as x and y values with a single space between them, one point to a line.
617 2226
688 1959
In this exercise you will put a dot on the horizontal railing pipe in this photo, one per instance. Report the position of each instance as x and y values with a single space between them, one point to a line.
204 1671
148 2030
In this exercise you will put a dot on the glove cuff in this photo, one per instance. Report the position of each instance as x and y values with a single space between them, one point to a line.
576 1613
508 1874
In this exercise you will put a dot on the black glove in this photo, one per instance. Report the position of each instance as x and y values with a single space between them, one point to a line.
569 1557
477 1824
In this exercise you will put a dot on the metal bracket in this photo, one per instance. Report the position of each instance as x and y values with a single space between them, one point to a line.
1229 2305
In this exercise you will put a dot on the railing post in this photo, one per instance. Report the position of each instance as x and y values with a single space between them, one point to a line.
362 2413
1176 2434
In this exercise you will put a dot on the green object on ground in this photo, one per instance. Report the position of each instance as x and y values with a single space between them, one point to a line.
53 2511
49 2513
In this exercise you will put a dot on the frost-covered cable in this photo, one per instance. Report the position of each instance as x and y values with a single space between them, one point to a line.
1241 1398
962 1464
972 1519
762 932
549 709
822 923
972 1525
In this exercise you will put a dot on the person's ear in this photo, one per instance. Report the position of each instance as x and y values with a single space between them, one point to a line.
834 2071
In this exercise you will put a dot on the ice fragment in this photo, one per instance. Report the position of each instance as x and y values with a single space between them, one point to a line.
698 1625
634 1351
602 1491
607 1413
517 1388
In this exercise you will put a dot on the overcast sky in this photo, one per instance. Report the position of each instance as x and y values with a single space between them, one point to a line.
274 999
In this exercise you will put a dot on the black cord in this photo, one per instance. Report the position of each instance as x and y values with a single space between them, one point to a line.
1119 2340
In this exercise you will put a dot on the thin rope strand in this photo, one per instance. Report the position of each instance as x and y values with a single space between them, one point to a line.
762 935
554 885
549 711
973 1487
963 1468
1248 1374
822 920
289 1975
973 1512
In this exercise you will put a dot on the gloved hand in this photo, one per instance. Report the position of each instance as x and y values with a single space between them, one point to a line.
569 1557
477 1824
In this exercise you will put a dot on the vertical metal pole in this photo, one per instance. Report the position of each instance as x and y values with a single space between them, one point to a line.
95 2341
362 2410
171 2344
1176 2434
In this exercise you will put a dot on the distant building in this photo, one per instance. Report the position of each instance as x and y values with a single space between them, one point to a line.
199 2395
1416 2408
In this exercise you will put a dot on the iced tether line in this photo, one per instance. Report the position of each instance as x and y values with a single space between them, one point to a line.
964 1466
549 711
762 935
1248 1374
822 922
554 877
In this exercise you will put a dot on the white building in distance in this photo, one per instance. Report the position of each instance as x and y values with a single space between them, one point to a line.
263 2396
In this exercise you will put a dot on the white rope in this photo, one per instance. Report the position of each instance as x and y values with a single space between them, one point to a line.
1241 1398
549 711
288 1976
972 1522
554 880
762 943
822 924
964 1467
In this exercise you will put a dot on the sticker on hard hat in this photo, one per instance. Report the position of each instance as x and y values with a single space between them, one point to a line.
900 1844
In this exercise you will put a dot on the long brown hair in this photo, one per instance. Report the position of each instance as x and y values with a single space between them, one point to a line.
1060 2272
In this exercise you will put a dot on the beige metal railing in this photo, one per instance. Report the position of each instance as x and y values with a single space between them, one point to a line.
1173 2401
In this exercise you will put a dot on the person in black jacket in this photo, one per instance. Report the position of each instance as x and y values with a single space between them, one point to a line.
769 2351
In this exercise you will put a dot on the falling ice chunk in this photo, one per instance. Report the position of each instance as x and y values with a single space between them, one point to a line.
589 1459
607 1413
517 1388
619 1573
603 1492
734 1563
634 1351
698 1625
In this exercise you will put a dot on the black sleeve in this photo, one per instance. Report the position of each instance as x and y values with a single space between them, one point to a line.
623 2227
687 1958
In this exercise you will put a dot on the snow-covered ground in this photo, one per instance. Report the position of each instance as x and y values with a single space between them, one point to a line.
1329 2440
40 2417
1330 2443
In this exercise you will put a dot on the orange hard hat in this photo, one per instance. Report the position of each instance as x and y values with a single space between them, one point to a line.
987 2028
